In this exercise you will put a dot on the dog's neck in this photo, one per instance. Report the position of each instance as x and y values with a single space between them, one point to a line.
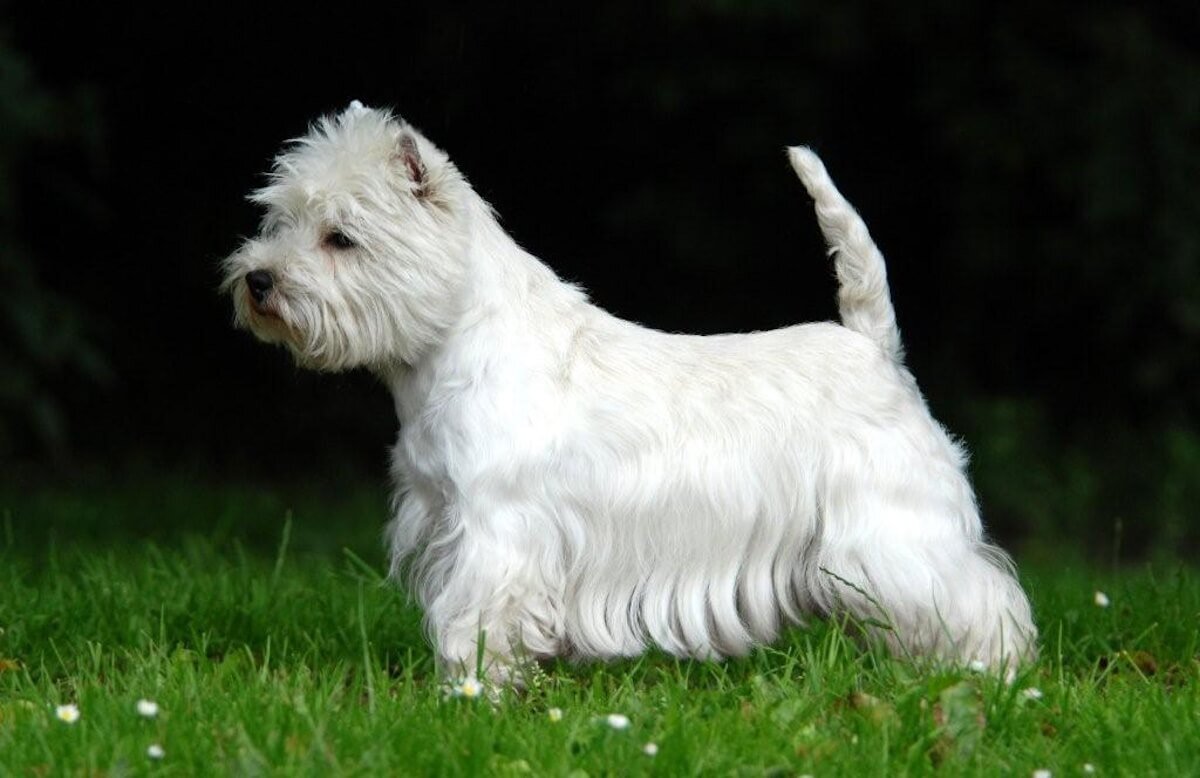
507 293
501 274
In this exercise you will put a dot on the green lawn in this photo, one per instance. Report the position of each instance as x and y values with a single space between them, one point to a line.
271 645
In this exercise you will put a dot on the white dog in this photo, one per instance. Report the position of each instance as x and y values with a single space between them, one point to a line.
571 484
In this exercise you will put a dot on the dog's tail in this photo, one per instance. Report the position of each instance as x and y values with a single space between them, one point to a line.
864 301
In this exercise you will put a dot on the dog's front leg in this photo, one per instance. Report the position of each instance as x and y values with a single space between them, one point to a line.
493 597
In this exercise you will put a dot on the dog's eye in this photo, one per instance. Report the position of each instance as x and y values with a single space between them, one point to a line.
339 240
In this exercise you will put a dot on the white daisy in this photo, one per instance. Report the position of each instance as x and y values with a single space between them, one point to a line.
1101 599
147 708
617 721
470 688
650 749
155 751
67 714
555 714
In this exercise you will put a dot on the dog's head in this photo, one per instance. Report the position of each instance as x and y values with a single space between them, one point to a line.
362 250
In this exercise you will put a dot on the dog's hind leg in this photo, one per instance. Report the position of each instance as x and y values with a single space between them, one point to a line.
926 588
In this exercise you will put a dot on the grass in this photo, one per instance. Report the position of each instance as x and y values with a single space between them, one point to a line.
269 641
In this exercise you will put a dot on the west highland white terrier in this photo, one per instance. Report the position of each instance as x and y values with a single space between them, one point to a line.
572 484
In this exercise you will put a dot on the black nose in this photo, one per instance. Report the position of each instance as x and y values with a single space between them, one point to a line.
259 282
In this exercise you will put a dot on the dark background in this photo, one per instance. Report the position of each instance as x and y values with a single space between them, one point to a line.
1030 172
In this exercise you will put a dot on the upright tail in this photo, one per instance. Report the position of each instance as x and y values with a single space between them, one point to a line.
864 301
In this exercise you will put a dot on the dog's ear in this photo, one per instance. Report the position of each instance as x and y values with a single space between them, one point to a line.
408 155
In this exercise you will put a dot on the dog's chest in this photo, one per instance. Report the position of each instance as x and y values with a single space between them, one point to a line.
467 428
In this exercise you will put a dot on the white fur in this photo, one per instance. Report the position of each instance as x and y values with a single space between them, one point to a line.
568 483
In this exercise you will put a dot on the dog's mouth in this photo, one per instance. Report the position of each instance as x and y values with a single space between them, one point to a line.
259 309
264 310
267 319
264 318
